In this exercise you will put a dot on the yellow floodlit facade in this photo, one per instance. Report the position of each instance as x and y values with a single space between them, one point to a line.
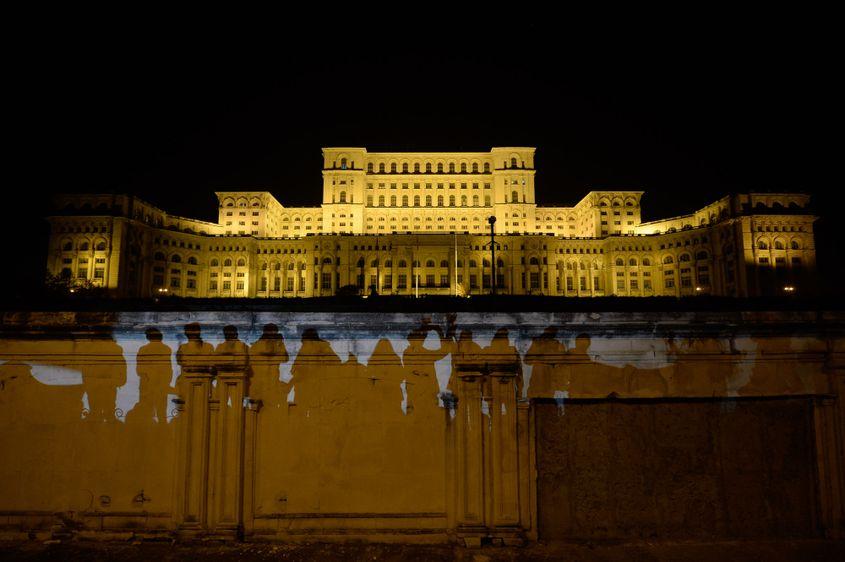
417 224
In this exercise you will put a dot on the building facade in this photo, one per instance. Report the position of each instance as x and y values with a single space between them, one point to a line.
418 223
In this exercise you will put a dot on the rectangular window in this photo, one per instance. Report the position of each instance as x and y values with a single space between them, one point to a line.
227 285
670 283
240 285
402 281
535 280
277 284
647 284
620 284
429 280
596 286
326 281
191 283
174 282
388 281
570 284
212 285
289 284
473 281
99 273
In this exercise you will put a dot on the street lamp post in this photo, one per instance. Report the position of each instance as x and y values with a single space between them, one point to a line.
492 221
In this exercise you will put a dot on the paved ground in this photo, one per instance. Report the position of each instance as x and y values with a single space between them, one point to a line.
768 551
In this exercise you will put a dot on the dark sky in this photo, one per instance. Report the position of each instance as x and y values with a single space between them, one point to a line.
172 115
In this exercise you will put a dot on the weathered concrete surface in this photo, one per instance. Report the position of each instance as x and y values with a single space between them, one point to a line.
676 470
421 427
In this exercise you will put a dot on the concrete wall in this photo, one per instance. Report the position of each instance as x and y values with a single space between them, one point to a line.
412 427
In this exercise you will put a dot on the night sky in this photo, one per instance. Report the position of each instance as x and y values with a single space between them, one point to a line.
172 115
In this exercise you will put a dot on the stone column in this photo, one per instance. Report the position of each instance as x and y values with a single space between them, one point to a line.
469 455
250 437
226 474
192 452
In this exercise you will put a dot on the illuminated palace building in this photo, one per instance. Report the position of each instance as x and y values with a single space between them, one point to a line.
417 223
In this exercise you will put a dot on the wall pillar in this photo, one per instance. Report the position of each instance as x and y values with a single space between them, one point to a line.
192 452
491 457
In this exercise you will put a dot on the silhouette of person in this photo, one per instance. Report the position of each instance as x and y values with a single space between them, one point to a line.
315 360
501 357
422 386
154 373
231 354
466 354
386 375
195 355
545 355
103 372
265 357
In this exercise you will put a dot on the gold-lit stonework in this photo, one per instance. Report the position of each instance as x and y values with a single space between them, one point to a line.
417 224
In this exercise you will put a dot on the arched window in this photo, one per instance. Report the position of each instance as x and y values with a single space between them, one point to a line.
361 262
472 263
416 167
241 262
429 263
370 168
463 200
388 263
403 263
381 167
227 263
513 162
778 245
514 197
416 200
404 200
795 245
463 167
428 167
428 200
440 167
374 263
392 200
159 256
290 266
404 167
646 262
263 267
701 255
83 247
176 258
761 245
439 200
192 260
534 261
343 197
475 167
485 263
619 262
668 259
444 263
101 246
214 262
632 262
451 167
68 246
487 167
475 200
451 200
343 163
684 257
393 167
381 200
